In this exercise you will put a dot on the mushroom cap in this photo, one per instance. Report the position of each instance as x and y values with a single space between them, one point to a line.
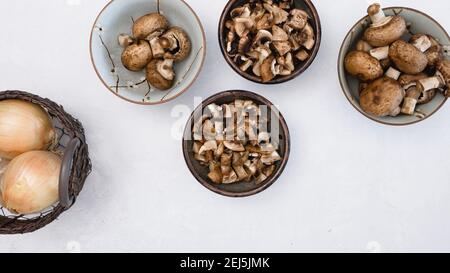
383 35
155 78
382 97
362 65
443 66
407 57
181 44
148 24
137 55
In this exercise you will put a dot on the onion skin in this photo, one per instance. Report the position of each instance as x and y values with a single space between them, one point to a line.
31 181
24 127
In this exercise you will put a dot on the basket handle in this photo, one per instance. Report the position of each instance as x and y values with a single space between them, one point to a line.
65 200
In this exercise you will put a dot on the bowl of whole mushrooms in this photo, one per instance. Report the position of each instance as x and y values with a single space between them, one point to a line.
147 52
236 143
393 65
269 41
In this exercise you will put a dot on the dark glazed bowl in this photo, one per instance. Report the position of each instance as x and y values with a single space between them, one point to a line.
300 66
241 189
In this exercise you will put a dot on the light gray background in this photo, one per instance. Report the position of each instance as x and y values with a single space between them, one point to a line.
350 185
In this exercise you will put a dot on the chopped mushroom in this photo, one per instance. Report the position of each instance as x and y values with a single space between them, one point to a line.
263 28
251 159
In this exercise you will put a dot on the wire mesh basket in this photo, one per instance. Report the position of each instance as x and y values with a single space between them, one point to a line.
76 166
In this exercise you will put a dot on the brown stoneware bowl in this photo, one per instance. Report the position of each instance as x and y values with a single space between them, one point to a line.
240 189
300 67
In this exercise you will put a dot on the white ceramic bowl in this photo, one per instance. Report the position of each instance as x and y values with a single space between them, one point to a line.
116 18
420 23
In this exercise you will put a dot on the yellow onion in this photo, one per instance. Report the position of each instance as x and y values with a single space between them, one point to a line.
31 181
24 127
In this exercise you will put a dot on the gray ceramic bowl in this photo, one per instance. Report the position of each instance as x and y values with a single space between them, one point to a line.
420 23
241 189
116 18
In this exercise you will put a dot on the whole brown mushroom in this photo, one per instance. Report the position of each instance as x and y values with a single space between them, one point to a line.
137 55
407 57
148 24
160 74
179 45
382 97
384 30
433 49
362 65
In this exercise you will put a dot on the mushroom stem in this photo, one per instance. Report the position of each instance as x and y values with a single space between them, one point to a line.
411 99
380 53
377 15
430 83
393 73
423 43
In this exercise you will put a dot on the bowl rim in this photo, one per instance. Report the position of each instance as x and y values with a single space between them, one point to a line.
279 170
340 61
278 80
162 101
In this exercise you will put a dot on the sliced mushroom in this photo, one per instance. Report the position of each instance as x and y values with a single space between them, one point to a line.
160 74
148 24
279 35
234 146
215 173
302 55
270 158
309 36
279 15
264 53
384 30
137 55
238 166
210 145
267 70
282 47
266 22
179 44
299 19
262 37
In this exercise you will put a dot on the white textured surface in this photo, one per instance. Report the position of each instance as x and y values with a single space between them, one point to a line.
351 184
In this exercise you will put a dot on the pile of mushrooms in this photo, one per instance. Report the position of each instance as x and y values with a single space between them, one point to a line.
397 75
155 46
269 38
228 141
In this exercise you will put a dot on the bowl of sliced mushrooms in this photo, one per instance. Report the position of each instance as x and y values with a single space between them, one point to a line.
236 143
269 41
148 52
394 65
